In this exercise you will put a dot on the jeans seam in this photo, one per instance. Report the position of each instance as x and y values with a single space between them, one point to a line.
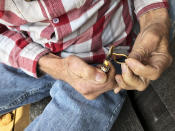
112 116
21 98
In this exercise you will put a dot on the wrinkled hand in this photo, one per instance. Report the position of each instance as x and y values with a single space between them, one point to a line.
88 80
148 58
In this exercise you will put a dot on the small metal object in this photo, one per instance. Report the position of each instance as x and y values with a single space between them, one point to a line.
105 67
120 55
106 64
112 56
109 56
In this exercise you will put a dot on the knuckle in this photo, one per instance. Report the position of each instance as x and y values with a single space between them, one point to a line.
136 70
155 76
85 92
154 36
90 97
170 59
141 88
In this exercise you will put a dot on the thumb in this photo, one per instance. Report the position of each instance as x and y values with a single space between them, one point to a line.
139 69
100 76
81 70
92 73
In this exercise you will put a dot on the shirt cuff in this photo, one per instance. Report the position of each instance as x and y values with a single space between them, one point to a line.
140 12
29 58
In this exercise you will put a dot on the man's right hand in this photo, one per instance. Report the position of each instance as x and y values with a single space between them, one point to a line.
86 79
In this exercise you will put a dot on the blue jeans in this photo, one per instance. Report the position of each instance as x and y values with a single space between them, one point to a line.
67 111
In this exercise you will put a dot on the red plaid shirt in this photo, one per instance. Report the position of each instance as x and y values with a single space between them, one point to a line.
85 28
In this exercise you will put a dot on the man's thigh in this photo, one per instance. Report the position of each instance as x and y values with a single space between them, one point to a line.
17 88
70 111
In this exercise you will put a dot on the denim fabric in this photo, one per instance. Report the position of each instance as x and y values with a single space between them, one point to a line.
67 111
17 88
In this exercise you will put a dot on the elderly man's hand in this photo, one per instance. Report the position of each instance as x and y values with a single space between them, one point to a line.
149 56
88 80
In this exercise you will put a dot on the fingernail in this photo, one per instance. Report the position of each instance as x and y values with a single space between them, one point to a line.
124 68
100 77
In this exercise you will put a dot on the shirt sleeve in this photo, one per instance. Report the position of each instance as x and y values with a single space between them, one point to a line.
143 6
19 51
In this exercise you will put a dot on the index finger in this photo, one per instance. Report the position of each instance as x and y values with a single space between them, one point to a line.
146 71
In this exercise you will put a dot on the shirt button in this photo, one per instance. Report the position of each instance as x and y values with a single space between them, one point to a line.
55 20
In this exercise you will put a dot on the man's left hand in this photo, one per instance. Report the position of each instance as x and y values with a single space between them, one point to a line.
149 56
